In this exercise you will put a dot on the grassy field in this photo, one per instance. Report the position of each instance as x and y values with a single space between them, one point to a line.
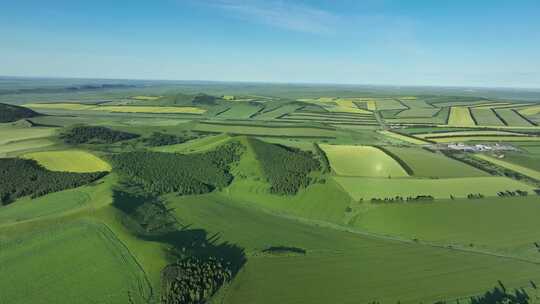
525 170
429 164
368 188
496 138
12 133
460 117
339 267
85 262
468 133
278 112
530 111
265 131
362 161
512 118
70 161
241 110
24 145
462 222
403 138
486 117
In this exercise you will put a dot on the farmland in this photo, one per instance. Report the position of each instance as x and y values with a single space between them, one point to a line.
267 193
70 161
362 161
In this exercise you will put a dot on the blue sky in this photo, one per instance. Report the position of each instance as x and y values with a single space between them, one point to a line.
406 42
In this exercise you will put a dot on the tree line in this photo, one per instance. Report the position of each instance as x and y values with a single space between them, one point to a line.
94 134
286 169
25 177
11 113
158 139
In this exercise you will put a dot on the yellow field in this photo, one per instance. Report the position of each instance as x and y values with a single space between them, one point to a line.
146 97
371 105
228 97
534 110
10 133
69 161
150 109
362 161
117 109
460 117
61 106
404 138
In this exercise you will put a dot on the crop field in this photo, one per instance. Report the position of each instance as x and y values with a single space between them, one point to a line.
424 163
70 161
106 272
512 166
362 161
530 111
460 117
265 131
24 145
404 138
486 117
513 118
266 193
10 133
361 188
468 133
240 110
117 109
278 112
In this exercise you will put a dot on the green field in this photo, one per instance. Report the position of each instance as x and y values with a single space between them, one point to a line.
361 188
527 171
281 193
70 161
431 164
460 117
77 263
362 161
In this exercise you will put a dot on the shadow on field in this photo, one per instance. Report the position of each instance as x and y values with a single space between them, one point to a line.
149 219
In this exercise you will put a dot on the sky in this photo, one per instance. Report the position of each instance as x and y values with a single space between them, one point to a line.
468 43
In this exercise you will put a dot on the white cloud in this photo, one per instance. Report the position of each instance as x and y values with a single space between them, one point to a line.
281 14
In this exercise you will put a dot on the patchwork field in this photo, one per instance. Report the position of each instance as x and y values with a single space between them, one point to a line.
117 109
70 161
362 161
285 131
486 117
512 118
240 111
368 188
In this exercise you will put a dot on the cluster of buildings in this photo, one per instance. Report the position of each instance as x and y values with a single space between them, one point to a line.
476 147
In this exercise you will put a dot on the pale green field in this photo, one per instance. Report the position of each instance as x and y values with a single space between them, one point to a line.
495 138
460 117
116 109
368 188
69 161
265 131
530 111
10 133
467 133
80 262
514 167
196 145
362 161
24 145
407 139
